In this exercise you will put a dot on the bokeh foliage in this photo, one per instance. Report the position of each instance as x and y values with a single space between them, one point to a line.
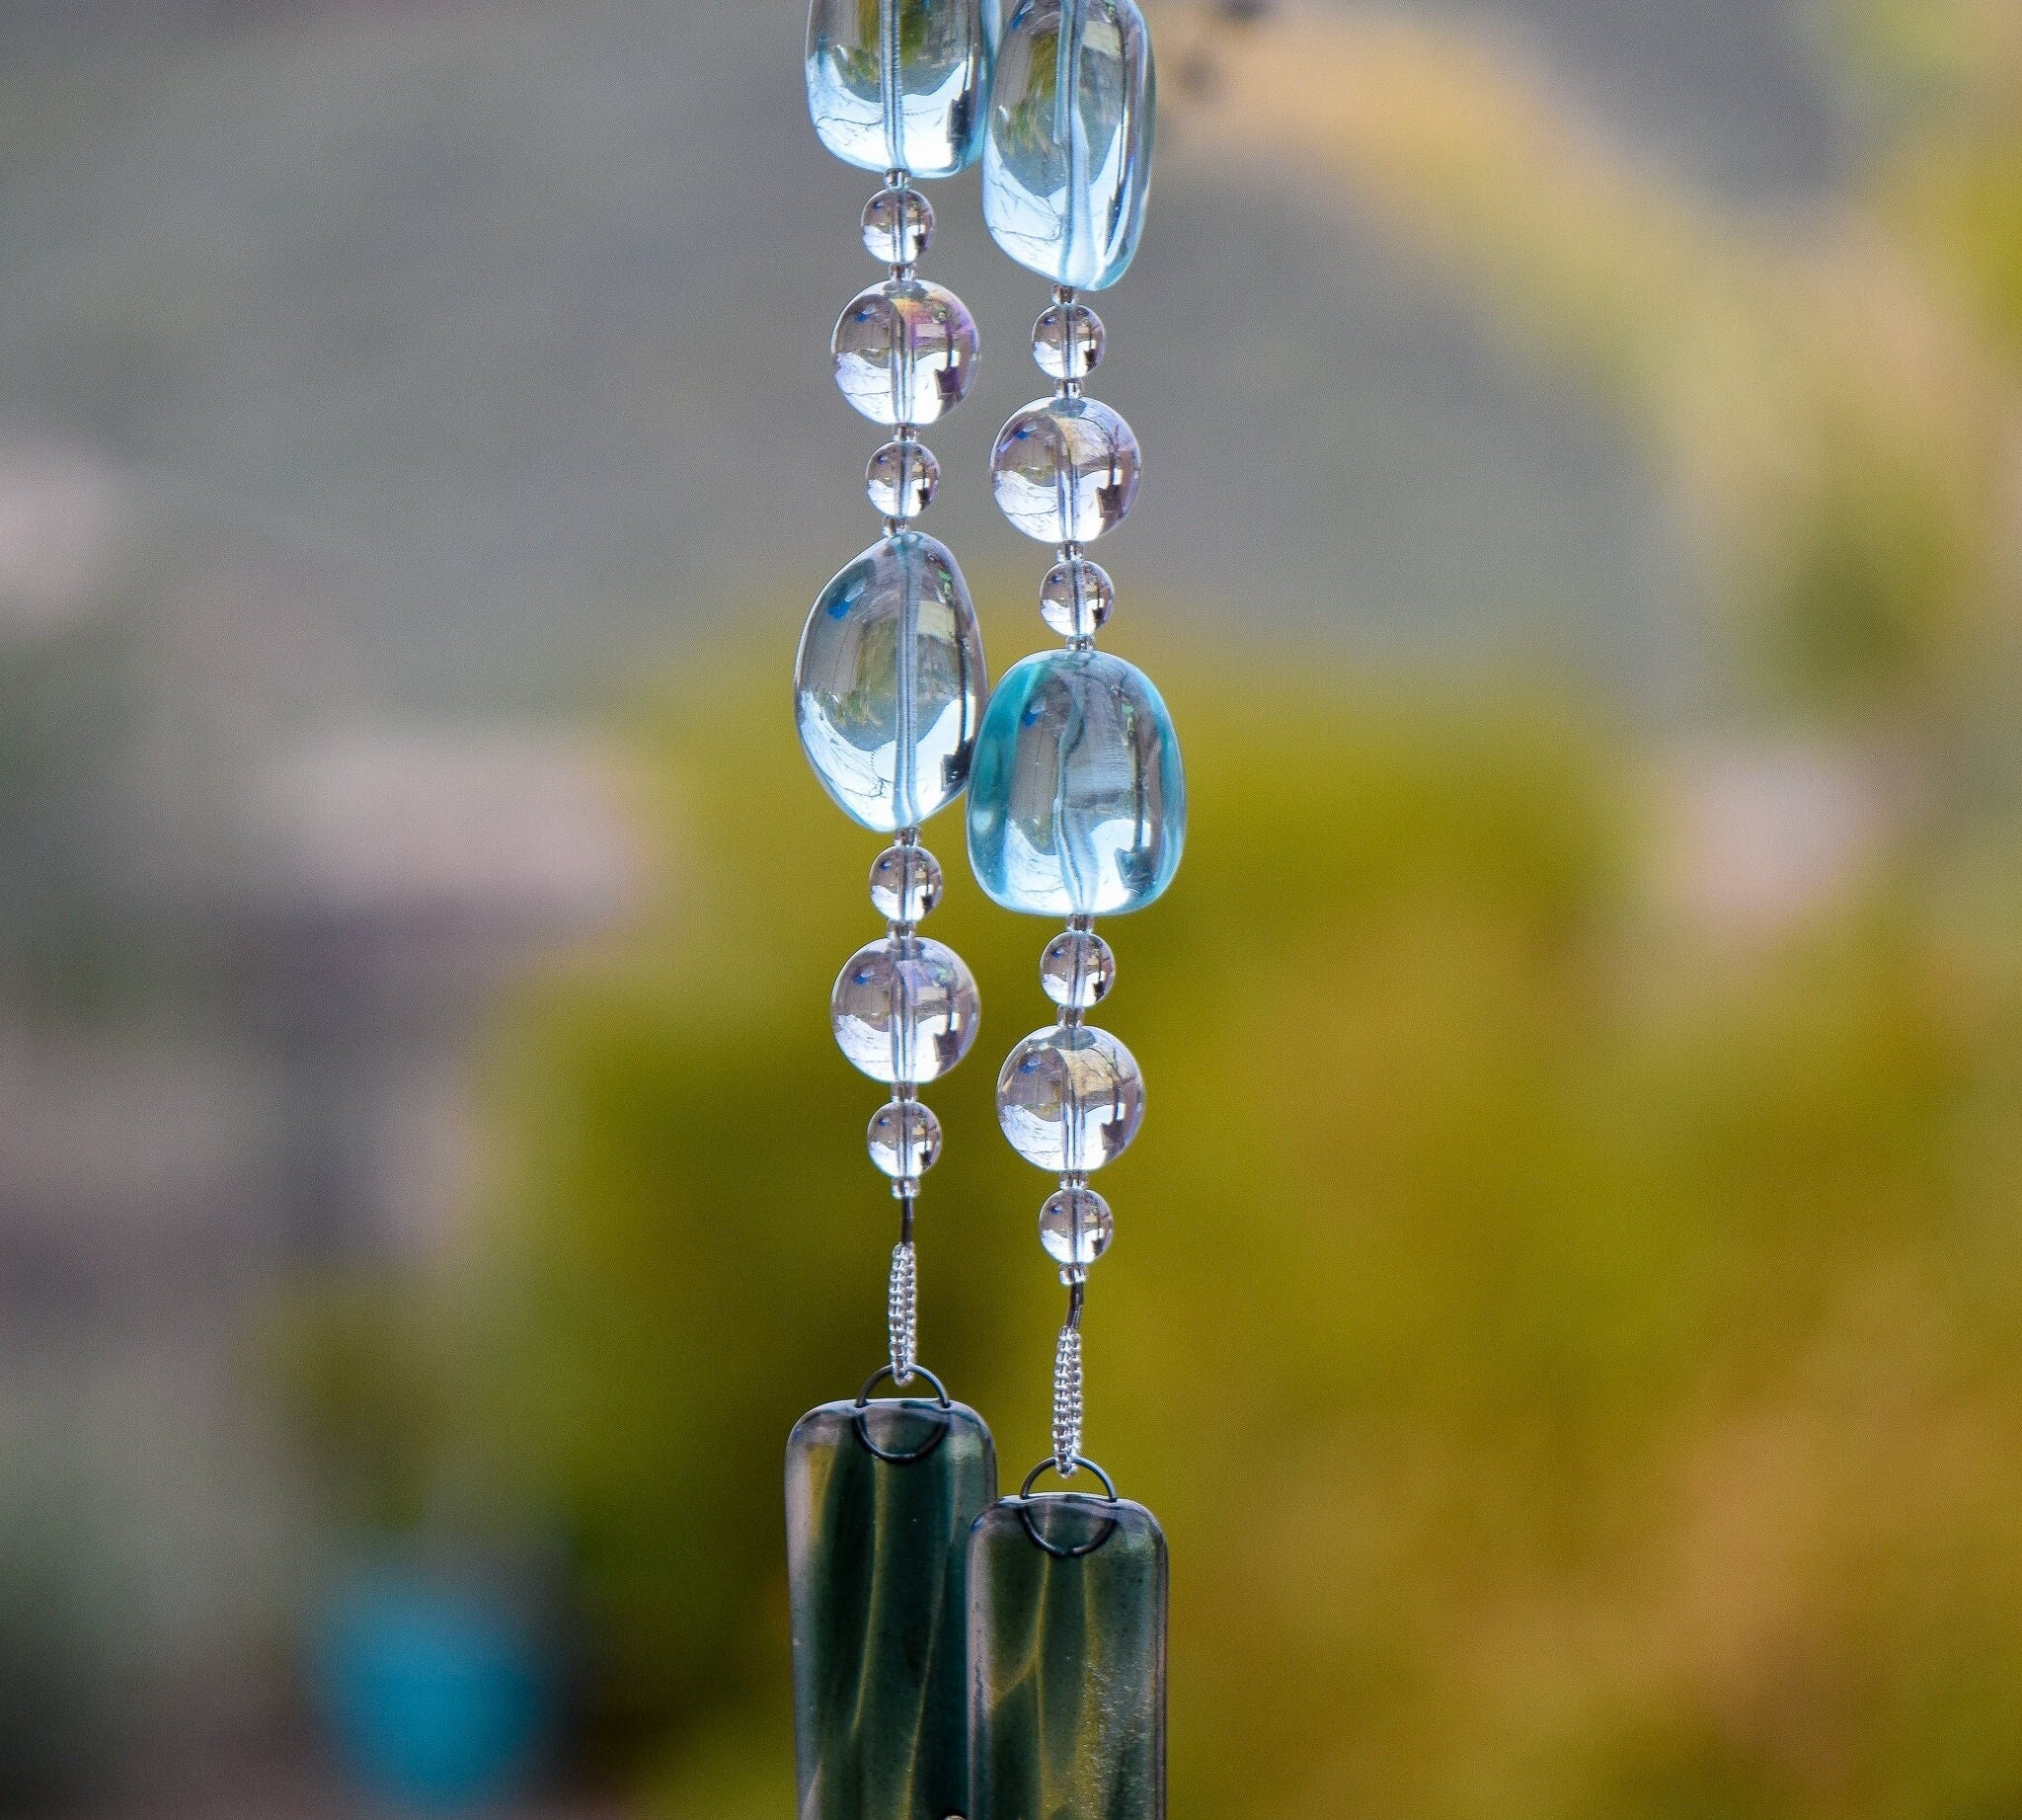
1575 1354
1575 1361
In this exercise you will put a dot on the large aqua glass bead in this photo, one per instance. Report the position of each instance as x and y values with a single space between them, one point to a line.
1067 155
1077 802
901 84
889 685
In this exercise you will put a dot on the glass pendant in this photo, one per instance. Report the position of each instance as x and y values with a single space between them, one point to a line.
879 1500
1066 1639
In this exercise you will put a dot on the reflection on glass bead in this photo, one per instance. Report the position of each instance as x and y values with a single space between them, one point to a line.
1077 797
904 352
905 884
1067 341
888 685
1077 970
904 1009
905 1139
1064 469
1076 597
1067 156
1075 1227
1071 1099
896 84
901 480
898 226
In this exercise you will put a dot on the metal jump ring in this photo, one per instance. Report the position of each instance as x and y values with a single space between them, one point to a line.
1109 1526
862 1405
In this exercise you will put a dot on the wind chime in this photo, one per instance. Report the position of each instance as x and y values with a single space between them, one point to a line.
957 1653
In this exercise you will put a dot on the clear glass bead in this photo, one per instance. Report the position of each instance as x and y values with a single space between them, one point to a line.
1067 341
1076 597
1075 1227
888 685
1071 1099
1077 970
898 226
1067 156
900 85
905 1139
904 352
905 884
1077 797
1064 469
904 1009
901 480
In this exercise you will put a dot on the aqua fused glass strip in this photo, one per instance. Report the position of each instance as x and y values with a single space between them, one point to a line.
901 84
879 1500
1066 1639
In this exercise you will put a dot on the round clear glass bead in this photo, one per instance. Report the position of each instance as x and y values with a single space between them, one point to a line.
1068 342
1077 970
898 226
1075 1227
905 884
905 1139
904 352
901 480
1076 597
1071 1099
1065 470
904 1009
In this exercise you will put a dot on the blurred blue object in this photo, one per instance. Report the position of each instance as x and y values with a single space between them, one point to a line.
436 1687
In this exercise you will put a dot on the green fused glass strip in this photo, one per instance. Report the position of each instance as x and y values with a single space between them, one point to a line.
1066 1639
879 1498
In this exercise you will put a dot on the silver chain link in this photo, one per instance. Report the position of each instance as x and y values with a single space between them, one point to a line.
904 1313
1067 1401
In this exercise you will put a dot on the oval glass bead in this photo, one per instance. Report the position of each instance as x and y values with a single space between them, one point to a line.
1067 154
1065 470
888 685
1075 1227
905 884
1077 597
898 226
904 1009
905 1139
901 479
1077 970
904 352
900 85
1070 1098
1067 341
1077 799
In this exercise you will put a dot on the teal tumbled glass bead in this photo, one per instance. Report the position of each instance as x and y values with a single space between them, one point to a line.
1077 799
1067 154
888 685
901 84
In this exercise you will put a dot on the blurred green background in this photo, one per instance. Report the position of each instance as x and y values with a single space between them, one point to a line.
1567 1295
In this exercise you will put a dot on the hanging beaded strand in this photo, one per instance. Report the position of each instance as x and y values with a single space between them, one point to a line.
889 687
1078 803
890 680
